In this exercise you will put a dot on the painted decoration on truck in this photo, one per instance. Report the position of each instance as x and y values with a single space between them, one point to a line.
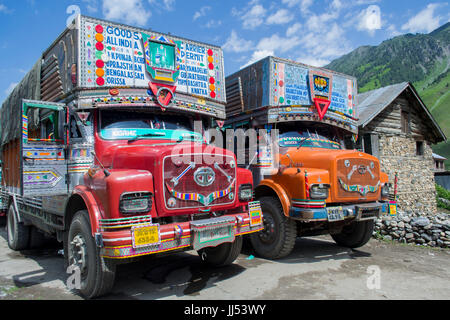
296 88
115 56
291 86
38 179
342 98
162 58
320 85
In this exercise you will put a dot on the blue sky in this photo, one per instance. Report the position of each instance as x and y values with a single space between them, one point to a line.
310 31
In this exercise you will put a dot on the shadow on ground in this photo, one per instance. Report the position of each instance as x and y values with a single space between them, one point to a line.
180 274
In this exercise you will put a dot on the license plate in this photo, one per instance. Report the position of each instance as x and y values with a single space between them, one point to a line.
393 209
335 214
255 213
216 234
145 236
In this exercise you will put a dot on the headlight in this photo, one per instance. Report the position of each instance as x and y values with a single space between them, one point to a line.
385 190
319 191
136 202
245 192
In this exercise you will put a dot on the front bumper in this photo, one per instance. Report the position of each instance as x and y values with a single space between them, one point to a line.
174 236
358 212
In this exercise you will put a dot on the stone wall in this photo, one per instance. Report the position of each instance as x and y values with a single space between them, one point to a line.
431 231
416 187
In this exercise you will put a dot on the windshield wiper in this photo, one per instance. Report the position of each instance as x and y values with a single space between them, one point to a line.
302 142
140 136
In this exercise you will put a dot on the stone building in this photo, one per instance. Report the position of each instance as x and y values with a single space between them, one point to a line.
396 127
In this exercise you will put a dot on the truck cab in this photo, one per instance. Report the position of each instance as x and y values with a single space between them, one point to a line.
308 176
115 164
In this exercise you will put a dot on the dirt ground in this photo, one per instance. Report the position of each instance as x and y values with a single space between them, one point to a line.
316 269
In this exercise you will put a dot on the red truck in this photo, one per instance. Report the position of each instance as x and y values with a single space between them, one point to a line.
100 150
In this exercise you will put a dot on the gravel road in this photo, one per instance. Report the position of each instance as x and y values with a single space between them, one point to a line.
316 269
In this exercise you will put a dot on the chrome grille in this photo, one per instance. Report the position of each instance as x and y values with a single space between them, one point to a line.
188 185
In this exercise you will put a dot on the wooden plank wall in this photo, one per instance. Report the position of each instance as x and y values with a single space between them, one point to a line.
388 122
11 154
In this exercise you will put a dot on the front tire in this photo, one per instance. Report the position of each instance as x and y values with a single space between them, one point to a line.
18 234
277 239
355 235
222 255
97 273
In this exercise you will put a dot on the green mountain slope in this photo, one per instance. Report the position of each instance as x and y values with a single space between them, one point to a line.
422 59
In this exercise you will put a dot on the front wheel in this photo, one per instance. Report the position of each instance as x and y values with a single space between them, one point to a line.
97 273
355 235
222 255
277 239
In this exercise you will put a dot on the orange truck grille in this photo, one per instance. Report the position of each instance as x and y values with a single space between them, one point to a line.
357 177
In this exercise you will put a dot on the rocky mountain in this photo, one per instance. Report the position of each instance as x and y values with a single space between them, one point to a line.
422 59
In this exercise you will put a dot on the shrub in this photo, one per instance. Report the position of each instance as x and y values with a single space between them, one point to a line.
442 193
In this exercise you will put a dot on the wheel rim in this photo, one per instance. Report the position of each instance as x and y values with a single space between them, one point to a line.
11 225
268 234
79 254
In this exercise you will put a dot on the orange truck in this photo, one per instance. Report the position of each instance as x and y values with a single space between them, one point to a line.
309 177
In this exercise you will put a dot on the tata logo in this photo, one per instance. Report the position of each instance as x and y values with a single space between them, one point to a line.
204 176
362 169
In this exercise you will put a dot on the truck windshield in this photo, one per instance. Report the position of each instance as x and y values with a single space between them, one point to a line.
306 139
127 125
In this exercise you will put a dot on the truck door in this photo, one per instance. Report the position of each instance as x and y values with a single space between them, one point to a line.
44 164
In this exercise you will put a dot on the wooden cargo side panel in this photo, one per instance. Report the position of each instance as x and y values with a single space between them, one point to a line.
11 154
249 87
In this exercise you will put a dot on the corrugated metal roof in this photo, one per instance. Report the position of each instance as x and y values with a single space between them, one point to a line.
438 157
371 103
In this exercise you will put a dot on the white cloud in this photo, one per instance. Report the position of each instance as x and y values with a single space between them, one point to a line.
313 61
201 13
326 44
315 23
291 3
4 9
393 32
282 16
425 20
128 11
258 55
275 43
11 88
91 5
213 23
236 44
336 5
369 19
166 4
270 46
303 4
294 29
363 2
252 15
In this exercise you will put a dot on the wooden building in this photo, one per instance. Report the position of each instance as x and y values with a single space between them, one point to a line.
396 126
439 163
